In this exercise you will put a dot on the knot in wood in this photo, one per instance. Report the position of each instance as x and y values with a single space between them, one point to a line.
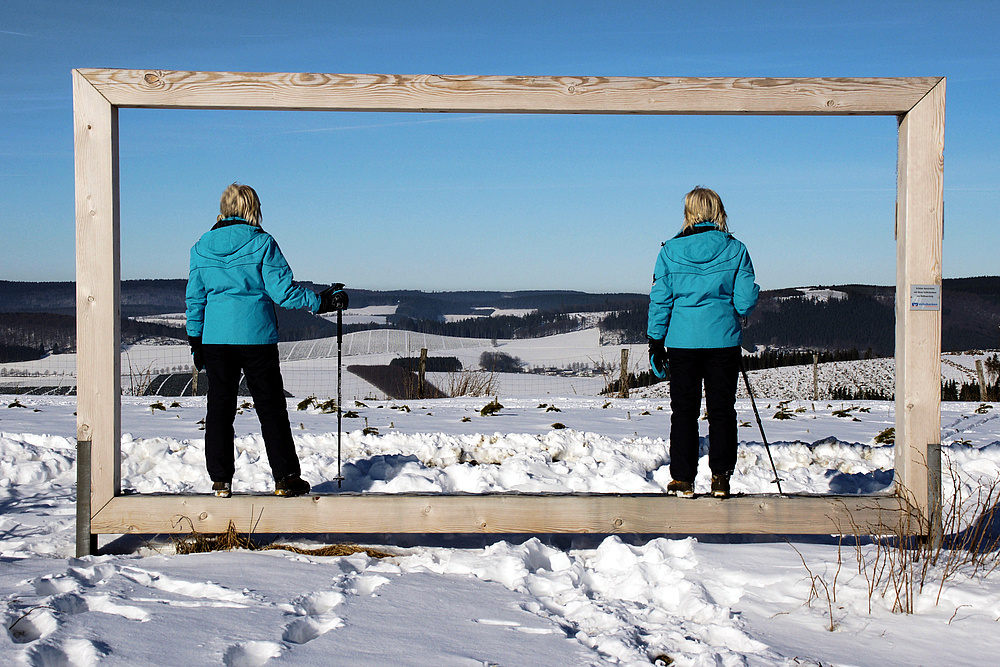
153 79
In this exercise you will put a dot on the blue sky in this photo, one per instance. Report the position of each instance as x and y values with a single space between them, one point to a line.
476 201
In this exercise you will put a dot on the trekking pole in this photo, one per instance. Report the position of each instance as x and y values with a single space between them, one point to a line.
746 380
340 341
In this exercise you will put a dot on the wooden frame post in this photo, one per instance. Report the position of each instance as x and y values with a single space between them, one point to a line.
918 102
98 295
919 233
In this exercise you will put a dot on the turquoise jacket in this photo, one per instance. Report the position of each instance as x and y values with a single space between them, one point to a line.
703 283
237 276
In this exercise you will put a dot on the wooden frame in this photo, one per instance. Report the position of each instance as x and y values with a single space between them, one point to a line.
917 102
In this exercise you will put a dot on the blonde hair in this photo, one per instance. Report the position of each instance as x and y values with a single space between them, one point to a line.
240 201
704 205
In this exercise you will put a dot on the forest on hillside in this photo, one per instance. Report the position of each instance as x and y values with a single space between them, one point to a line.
38 318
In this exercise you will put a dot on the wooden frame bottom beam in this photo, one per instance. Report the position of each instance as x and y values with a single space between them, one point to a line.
504 513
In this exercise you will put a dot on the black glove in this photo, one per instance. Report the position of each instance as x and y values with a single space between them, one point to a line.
658 358
333 298
196 352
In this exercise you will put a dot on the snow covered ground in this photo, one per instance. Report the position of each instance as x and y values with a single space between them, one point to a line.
454 600
310 367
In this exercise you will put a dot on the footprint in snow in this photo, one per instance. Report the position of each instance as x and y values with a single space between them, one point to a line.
250 654
75 603
74 579
316 604
514 625
54 584
91 575
70 653
200 590
69 603
316 616
30 624
364 585
308 628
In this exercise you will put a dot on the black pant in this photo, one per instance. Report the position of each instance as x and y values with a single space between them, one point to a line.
719 369
259 363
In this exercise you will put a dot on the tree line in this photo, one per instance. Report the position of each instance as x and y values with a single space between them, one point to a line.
531 325
858 322
30 336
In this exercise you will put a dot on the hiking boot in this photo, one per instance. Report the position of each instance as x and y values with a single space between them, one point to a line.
720 486
222 489
680 488
292 485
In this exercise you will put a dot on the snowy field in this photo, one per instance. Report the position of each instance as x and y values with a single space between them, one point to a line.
309 367
473 600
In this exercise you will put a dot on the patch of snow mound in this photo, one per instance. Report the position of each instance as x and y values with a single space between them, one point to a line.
629 603
34 459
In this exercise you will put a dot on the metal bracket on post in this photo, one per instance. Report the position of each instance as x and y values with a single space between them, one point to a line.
86 542
935 528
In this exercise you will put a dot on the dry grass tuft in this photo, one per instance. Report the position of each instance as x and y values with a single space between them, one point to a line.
331 550
196 543
471 382
898 562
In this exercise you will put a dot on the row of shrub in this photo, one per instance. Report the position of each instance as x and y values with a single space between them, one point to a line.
433 364
951 390
494 362
968 391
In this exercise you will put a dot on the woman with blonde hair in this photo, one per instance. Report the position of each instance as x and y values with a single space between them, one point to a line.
703 283
238 275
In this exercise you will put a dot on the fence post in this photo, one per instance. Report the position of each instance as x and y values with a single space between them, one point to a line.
421 371
982 380
815 376
623 380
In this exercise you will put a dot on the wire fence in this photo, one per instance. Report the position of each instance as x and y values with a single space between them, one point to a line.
309 368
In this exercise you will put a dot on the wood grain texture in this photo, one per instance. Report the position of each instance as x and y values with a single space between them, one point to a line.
508 94
98 322
98 93
919 232
500 513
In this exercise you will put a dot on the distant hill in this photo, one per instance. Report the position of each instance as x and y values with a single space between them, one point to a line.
865 317
844 317
836 317
152 297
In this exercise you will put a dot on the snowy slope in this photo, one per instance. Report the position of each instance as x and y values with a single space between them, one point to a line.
451 600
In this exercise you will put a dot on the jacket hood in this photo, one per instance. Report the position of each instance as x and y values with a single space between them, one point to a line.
228 242
701 248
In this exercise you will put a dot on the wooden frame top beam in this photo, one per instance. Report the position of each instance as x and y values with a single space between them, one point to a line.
509 94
